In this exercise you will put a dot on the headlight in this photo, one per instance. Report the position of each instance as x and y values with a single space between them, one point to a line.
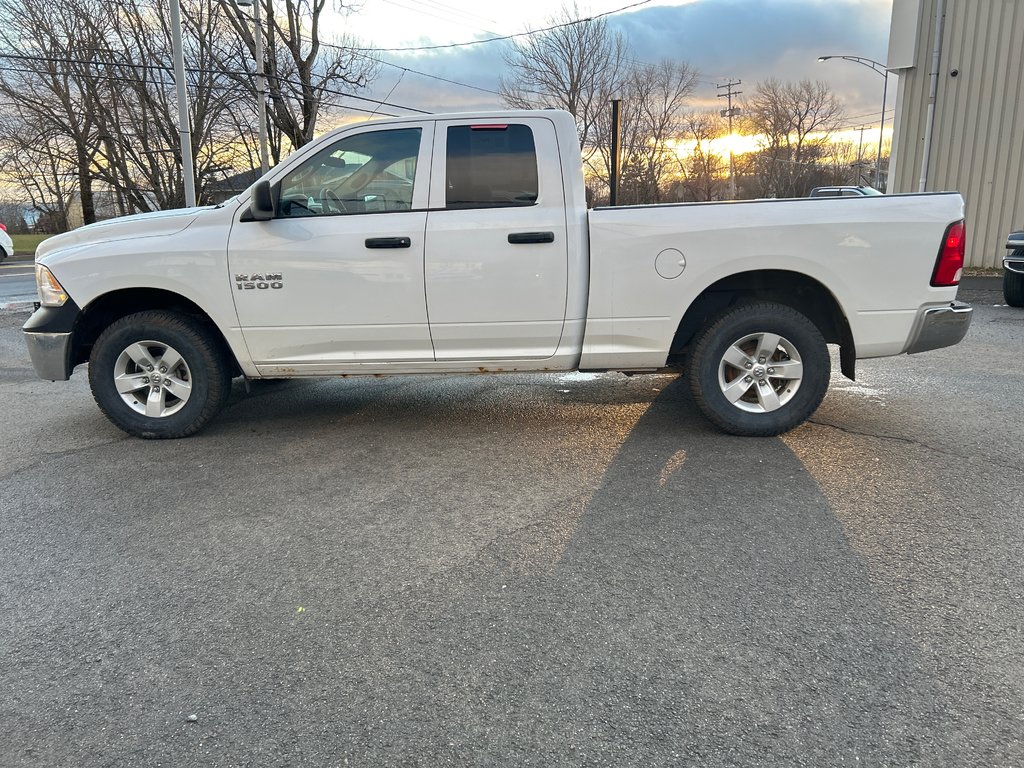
51 293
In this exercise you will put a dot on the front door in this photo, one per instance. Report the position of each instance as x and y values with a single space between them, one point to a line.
335 280
496 248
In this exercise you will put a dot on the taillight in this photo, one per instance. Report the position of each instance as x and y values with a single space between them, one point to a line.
950 264
3 227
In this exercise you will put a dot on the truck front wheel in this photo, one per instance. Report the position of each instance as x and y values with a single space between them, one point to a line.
759 370
158 374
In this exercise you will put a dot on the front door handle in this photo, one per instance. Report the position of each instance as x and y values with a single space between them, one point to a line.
388 242
520 238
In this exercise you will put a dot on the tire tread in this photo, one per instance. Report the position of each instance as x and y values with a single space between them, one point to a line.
1013 288
735 421
210 353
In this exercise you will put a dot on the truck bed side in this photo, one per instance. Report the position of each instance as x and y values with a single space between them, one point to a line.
874 255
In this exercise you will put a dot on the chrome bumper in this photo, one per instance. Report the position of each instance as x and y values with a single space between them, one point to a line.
50 353
939 327
1014 264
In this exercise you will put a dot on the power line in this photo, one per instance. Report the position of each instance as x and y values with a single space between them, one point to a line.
508 37
415 71
198 70
448 17
361 53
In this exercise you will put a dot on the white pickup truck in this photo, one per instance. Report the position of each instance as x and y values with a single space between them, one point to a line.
463 244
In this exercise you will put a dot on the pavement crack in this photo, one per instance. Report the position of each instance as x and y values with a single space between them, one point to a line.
60 455
989 461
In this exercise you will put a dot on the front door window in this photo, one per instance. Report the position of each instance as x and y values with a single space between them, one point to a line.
370 172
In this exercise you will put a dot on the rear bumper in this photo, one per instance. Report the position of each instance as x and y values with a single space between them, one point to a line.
938 327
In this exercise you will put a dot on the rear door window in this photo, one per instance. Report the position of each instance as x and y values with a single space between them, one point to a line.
490 166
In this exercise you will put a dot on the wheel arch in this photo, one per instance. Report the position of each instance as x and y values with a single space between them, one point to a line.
112 306
794 289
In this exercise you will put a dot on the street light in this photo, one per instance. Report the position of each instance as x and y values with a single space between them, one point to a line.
261 79
882 70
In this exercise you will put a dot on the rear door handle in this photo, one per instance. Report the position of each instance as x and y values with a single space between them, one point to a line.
388 242
520 238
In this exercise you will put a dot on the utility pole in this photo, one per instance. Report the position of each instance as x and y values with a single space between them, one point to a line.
188 168
730 113
261 80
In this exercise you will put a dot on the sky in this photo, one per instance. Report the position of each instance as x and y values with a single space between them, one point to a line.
747 40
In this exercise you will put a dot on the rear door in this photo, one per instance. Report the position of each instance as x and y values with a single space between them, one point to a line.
496 250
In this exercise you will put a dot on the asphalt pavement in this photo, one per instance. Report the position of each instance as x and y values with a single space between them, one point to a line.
520 570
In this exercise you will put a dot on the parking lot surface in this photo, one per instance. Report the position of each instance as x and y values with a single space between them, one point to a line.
520 570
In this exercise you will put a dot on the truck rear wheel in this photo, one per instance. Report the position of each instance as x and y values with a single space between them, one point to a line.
759 370
158 375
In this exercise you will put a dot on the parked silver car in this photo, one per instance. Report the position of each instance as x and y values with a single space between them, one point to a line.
844 191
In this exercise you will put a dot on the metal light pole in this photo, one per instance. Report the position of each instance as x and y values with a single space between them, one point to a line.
261 80
881 69
188 171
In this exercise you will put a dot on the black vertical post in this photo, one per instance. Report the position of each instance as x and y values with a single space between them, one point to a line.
613 177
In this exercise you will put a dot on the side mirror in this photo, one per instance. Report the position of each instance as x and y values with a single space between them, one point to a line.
262 205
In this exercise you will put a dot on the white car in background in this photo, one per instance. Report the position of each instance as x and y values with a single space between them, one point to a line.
6 244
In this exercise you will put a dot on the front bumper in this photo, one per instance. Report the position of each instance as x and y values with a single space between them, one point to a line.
1014 264
50 353
48 337
938 327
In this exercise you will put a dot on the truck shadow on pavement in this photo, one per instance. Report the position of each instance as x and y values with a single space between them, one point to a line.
452 572
702 604
706 607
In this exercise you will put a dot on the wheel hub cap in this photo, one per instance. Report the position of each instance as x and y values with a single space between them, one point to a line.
153 379
760 372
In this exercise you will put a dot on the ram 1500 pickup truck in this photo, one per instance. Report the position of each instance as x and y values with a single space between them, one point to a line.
463 244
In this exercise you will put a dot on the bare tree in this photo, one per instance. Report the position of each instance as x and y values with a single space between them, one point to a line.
306 74
140 149
577 66
795 122
704 169
90 86
51 46
652 125
41 162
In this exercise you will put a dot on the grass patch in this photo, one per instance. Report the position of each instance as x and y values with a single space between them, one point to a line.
26 244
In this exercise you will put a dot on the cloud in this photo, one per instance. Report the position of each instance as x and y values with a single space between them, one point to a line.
745 39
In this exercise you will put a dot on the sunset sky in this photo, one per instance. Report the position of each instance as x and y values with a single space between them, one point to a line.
747 40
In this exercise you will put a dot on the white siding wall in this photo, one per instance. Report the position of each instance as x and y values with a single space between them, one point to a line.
978 138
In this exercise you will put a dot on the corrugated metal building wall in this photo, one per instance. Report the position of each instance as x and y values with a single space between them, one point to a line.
977 143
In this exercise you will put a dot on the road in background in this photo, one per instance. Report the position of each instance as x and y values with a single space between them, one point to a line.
520 570
17 282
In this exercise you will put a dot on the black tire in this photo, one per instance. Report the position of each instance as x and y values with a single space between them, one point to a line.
1013 287
755 413
183 399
